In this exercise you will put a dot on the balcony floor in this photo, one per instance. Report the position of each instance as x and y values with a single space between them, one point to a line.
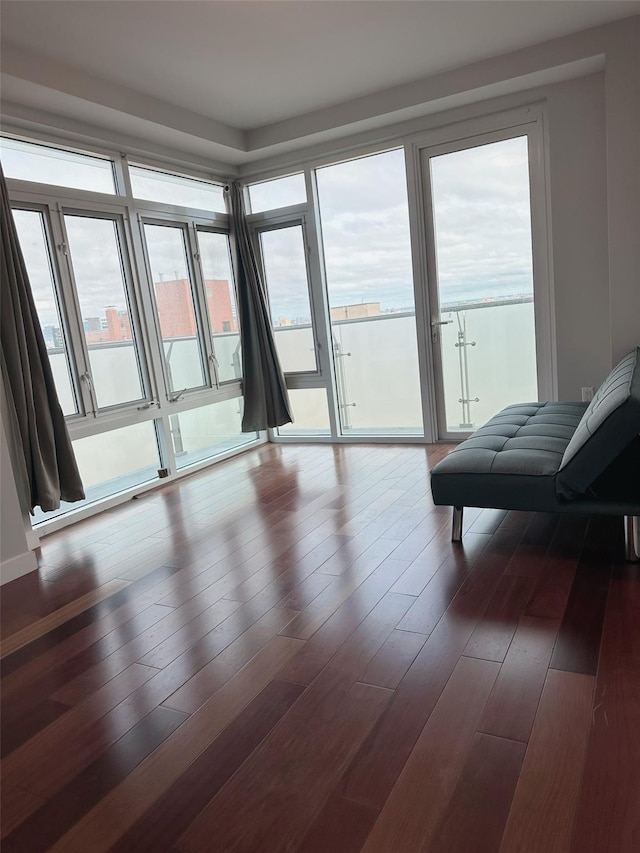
286 652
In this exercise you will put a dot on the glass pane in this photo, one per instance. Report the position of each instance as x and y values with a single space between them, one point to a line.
174 301
26 161
112 462
485 280
166 188
285 266
221 303
365 232
96 258
310 411
207 431
280 192
35 249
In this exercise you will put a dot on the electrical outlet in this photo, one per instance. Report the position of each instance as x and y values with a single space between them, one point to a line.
587 394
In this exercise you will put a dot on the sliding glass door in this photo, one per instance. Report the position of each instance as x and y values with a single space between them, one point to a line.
364 217
477 197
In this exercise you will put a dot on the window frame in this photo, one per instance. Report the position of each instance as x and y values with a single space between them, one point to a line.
52 202
182 225
97 153
132 297
65 300
150 204
280 223
204 227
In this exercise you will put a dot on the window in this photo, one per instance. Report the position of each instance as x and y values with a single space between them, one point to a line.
34 242
483 245
135 308
280 192
167 188
112 462
27 161
221 303
177 317
207 431
285 266
109 327
365 234
310 413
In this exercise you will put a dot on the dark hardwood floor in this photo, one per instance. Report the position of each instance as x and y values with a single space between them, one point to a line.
287 653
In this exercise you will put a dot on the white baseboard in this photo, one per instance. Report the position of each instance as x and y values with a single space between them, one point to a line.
33 540
17 566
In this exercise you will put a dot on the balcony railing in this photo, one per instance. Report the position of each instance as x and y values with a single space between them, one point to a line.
488 361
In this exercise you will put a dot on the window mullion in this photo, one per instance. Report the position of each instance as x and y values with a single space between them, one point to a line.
319 299
150 315
201 306
132 294
74 315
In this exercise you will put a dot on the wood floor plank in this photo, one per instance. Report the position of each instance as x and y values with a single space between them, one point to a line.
16 806
608 818
45 825
26 722
342 826
493 636
438 594
133 595
316 736
435 555
542 814
344 620
166 820
513 703
40 764
207 680
389 666
118 811
529 555
578 644
124 621
366 583
419 799
558 569
281 788
48 623
476 816
18 700
375 769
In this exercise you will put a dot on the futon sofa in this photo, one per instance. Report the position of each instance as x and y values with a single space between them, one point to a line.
554 457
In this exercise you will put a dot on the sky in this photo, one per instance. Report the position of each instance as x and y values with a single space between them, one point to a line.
482 229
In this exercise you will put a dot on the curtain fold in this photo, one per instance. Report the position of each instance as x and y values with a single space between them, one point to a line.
266 401
44 463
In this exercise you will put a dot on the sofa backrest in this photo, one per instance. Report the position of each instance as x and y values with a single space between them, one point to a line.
611 421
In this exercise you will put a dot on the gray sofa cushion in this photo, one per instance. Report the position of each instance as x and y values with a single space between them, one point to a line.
609 424
512 460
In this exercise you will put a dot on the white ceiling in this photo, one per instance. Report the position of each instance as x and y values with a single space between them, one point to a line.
236 66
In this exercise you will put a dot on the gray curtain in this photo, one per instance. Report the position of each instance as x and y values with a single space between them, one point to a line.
44 464
266 401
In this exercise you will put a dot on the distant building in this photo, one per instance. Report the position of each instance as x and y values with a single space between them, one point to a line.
357 311
175 310
175 307
118 325
52 337
91 324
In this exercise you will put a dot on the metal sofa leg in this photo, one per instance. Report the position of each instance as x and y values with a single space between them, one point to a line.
631 538
456 532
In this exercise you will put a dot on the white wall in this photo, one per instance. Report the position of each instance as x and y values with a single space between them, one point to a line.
578 196
15 557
